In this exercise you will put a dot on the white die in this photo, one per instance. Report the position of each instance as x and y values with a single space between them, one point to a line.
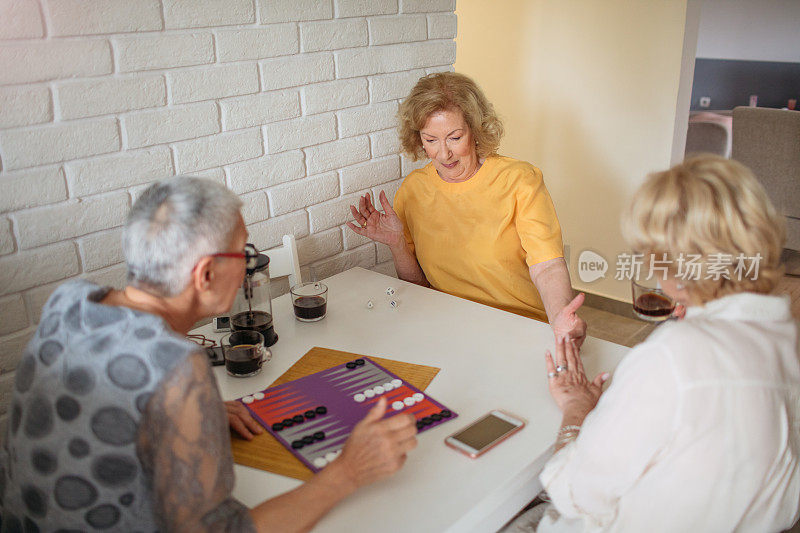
390 291
394 304
370 305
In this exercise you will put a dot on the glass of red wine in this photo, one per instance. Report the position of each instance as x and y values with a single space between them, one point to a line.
310 301
650 302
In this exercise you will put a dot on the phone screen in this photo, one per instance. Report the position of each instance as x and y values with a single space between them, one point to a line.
484 432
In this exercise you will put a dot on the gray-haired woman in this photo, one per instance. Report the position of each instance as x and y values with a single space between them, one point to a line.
116 421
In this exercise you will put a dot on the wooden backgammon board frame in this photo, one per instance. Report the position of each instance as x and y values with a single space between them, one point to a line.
266 453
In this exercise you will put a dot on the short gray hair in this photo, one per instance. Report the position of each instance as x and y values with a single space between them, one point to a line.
173 224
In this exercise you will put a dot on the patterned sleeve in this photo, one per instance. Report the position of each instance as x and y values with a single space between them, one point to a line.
184 446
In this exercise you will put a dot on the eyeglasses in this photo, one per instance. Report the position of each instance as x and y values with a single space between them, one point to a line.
250 255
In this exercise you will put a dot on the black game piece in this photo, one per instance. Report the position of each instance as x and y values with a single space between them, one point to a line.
446 413
277 426
287 422
319 435
310 414
321 410
436 417
297 444
427 420
359 362
298 419
351 365
308 439
420 424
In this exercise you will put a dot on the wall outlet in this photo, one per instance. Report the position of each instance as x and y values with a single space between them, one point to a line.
705 101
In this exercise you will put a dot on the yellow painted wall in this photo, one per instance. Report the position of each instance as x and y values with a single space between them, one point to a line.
587 90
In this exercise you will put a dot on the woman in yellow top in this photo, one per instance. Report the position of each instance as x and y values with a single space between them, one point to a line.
472 223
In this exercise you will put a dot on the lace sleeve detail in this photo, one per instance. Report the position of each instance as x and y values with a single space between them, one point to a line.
184 446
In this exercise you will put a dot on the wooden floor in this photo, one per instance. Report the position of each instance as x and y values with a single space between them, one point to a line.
630 331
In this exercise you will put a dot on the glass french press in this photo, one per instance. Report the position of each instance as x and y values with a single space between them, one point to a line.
252 308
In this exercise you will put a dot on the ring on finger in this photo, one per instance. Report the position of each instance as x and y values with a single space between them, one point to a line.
551 375
560 368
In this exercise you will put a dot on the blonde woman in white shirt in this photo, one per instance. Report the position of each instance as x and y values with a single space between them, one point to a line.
700 429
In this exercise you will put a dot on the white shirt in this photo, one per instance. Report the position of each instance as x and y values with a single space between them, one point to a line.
699 431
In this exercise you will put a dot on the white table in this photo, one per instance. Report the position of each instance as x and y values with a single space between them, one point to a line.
490 359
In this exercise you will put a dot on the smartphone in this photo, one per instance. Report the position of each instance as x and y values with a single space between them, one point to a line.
485 433
221 323
215 356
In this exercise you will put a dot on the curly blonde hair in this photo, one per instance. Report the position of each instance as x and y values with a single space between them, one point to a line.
704 206
448 91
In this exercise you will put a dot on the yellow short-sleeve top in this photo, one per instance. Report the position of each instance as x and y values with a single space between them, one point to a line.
476 239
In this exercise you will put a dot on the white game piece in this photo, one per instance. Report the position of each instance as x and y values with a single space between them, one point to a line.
248 399
409 401
359 397
370 305
377 389
338 453
398 405
418 396
397 383
320 462
388 386
369 393
330 456
389 291
258 395
394 304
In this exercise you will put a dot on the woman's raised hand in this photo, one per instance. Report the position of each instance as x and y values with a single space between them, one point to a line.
383 227
572 391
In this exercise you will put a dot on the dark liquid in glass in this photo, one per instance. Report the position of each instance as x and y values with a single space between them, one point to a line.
310 307
653 305
259 321
242 360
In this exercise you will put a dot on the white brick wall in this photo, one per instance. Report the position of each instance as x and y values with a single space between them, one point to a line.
296 70
297 195
321 97
398 29
290 103
60 222
367 119
333 34
166 125
7 244
100 250
22 106
88 17
60 142
259 43
258 109
114 95
301 132
337 154
21 20
265 172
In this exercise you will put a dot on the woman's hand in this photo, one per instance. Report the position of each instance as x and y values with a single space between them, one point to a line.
383 227
567 324
377 447
240 420
572 391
